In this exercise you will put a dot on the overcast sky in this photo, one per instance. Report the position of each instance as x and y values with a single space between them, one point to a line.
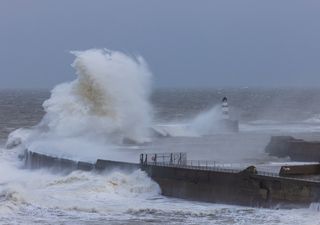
186 43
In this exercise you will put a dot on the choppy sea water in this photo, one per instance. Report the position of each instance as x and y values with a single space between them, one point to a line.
43 197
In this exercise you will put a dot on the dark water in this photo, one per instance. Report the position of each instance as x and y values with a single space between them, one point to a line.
20 108
23 108
247 104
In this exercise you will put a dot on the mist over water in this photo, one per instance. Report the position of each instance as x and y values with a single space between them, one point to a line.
206 122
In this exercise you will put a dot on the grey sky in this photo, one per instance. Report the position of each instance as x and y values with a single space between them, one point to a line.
186 43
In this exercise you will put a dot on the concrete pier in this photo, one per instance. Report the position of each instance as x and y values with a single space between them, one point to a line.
221 185
296 149
309 169
34 160
198 182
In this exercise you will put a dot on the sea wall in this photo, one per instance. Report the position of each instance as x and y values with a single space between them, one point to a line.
241 188
296 149
34 160
308 169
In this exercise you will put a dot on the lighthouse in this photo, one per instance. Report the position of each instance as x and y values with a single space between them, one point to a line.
225 108
226 124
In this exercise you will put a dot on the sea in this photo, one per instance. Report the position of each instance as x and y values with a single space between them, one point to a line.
113 110
116 197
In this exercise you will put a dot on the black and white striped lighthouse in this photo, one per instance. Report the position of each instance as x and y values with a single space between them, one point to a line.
225 108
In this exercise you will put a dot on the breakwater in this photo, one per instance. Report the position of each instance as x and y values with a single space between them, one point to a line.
34 160
296 149
209 183
228 185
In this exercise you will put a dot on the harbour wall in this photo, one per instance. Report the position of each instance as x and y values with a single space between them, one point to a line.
229 187
34 160
296 149
243 188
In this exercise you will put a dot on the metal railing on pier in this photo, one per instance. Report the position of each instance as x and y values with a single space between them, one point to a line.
176 158
179 160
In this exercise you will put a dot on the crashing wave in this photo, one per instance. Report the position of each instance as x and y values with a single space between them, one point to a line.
107 104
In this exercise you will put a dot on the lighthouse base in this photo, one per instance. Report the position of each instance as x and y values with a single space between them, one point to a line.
228 125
